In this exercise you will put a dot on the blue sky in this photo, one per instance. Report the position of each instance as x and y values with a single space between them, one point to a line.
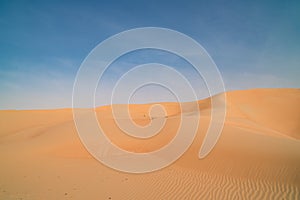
255 44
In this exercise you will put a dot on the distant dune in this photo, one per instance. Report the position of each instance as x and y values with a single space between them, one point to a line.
256 157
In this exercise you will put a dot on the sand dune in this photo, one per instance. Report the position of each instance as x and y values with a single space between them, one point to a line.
256 157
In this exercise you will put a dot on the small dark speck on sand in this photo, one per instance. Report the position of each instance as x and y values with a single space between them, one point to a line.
66 193
109 197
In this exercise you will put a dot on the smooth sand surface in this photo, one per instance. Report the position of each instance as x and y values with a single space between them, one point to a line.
256 157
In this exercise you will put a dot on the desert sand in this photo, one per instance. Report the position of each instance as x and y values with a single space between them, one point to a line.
256 157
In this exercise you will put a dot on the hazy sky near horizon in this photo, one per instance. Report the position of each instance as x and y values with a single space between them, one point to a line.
255 44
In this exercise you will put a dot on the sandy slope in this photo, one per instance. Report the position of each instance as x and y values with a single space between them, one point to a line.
257 156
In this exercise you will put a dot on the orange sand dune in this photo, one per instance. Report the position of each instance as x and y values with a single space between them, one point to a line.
256 157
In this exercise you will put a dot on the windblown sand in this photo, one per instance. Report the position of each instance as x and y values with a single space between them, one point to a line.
256 157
